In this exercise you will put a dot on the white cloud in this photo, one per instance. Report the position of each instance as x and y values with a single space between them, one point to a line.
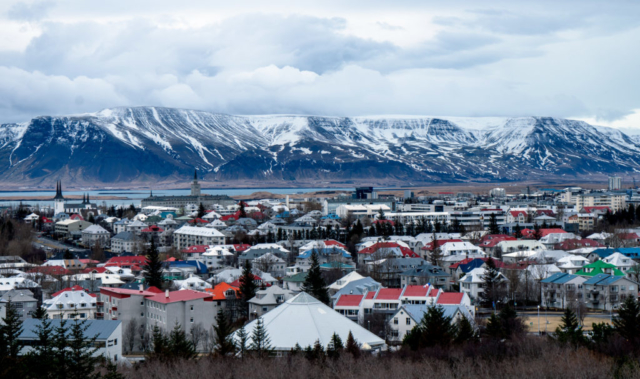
331 58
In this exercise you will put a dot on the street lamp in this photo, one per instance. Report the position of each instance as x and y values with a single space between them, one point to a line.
538 319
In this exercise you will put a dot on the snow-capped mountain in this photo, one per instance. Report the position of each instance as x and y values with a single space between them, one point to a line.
147 144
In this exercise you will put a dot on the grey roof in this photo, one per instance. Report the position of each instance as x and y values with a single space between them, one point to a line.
426 270
125 236
358 287
417 311
101 329
268 296
19 296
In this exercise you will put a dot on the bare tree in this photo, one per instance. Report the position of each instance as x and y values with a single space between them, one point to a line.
129 336
196 334
143 338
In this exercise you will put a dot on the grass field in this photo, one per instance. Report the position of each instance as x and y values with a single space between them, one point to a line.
554 322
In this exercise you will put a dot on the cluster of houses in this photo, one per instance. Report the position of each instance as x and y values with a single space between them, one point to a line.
380 287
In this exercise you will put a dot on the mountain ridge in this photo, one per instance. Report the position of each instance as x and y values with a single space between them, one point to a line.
148 144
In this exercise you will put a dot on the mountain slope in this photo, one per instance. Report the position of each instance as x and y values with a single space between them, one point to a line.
147 144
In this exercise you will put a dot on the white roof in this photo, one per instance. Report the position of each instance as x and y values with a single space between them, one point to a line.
340 283
619 260
71 300
67 222
218 250
521 254
197 231
95 229
192 283
303 320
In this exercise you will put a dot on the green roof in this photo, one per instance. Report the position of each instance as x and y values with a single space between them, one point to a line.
599 267
300 277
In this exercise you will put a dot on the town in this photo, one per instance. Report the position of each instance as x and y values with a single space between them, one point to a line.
272 277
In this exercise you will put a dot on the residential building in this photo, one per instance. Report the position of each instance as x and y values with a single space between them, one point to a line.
126 242
268 299
409 316
425 274
615 183
599 267
192 235
123 304
105 335
22 301
608 292
472 284
66 228
95 234
71 304
561 289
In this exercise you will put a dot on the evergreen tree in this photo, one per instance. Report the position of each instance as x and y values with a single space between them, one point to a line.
493 224
352 346
494 327
223 331
153 268
314 283
316 352
465 331
41 360
434 329
435 254
243 213
81 363
627 324
112 371
160 348
505 324
201 211
491 286
247 285
260 341
179 345
569 330
242 341
601 332
11 330
537 233
61 354
381 215
517 231
335 346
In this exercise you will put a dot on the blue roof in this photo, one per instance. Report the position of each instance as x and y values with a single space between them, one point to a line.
284 214
101 329
330 216
603 279
325 251
559 278
358 287
603 253
466 267
629 252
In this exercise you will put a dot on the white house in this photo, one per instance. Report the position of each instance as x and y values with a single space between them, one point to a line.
192 235
622 262
108 336
71 304
472 283
95 234
409 316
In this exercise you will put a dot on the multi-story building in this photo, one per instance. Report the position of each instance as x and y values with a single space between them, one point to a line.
71 304
614 200
95 234
615 183
68 227
193 235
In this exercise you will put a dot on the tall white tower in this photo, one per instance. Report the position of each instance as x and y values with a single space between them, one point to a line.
58 200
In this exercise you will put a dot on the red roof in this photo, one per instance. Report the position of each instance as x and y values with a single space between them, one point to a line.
598 208
219 290
76 217
429 246
183 295
152 229
518 213
389 294
129 260
462 262
49 270
497 238
241 247
97 270
46 220
74 288
628 236
450 298
370 295
123 291
574 243
543 232
416 291
406 252
349 300
334 243
434 292
234 216
384 222
198 221
547 212
199 249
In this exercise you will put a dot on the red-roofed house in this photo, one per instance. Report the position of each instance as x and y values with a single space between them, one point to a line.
349 306
49 270
439 243
198 221
381 250
73 288
454 298
574 243
598 210
529 233
127 261
489 242
517 216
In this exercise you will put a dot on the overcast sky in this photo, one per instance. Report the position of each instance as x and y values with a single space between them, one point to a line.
574 59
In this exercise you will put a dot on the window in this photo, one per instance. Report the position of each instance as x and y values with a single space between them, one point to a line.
192 307
408 320
191 320
395 321
115 342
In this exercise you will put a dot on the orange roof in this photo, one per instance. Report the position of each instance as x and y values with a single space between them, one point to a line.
219 290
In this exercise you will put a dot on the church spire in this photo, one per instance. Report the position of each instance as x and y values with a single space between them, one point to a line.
58 191
84 198
195 174
88 201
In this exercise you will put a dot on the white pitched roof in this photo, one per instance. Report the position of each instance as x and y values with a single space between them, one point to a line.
95 229
303 320
619 260
198 231
350 277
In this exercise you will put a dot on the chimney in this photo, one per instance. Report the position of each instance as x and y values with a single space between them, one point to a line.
166 294
141 287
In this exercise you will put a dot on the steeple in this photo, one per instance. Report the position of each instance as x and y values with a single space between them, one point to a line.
88 201
150 193
58 191
195 175
84 198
